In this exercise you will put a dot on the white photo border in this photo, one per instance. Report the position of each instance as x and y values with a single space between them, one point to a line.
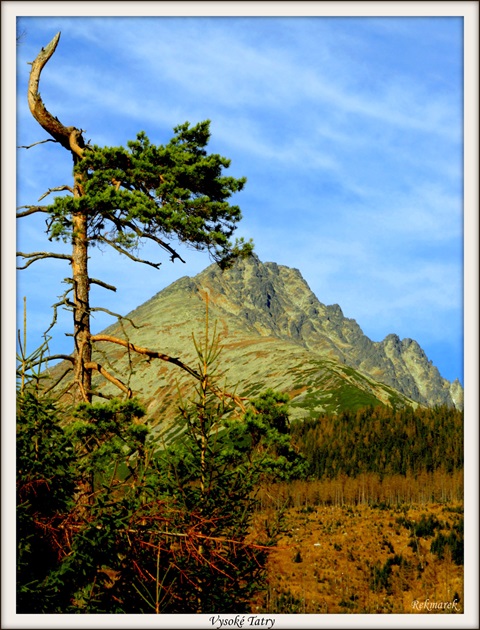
469 10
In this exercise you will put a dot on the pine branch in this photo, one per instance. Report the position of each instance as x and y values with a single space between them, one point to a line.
120 224
142 234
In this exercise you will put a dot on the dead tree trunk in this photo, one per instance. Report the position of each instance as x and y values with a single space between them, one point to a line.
72 140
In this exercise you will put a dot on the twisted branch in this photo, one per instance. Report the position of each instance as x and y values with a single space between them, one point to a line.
153 354
69 137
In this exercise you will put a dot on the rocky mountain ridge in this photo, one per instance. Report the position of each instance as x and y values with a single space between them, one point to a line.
276 300
274 333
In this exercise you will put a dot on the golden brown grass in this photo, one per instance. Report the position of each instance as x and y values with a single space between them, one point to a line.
336 559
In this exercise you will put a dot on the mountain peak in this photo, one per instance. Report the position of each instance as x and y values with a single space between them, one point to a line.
275 300
275 333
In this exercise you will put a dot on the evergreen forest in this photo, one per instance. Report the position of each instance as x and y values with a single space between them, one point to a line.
382 440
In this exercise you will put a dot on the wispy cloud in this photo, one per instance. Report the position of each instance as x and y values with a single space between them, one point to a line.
348 130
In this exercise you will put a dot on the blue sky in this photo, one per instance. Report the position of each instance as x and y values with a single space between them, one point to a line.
349 131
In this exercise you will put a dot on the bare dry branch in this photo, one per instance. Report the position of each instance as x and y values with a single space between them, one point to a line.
127 253
54 357
31 210
93 365
221 395
36 143
63 301
110 287
58 381
117 315
40 255
153 354
56 189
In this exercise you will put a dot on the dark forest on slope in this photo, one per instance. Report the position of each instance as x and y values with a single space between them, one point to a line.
382 440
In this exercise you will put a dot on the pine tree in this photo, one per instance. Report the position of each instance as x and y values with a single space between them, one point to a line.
123 197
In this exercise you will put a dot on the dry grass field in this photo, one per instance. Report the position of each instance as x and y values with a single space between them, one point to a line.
365 559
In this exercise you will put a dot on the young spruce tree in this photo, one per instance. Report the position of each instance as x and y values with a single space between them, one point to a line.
169 527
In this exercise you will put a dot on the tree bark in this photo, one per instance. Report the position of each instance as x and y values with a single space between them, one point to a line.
81 312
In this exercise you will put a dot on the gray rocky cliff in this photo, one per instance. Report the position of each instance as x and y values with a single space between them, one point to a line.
275 300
